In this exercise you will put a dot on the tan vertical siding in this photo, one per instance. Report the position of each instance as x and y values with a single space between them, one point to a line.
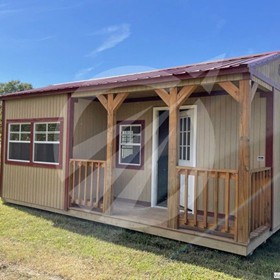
271 70
258 131
216 120
90 126
36 185
217 137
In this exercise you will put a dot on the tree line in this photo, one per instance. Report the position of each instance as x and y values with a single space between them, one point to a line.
10 87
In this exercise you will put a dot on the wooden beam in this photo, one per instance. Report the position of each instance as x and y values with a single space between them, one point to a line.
118 100
103 100
254 90
231 89
69 148
164 95
244 162
108 186
173 199
111 104
174 100
184 94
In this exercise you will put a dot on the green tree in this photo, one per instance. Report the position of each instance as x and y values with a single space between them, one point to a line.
14 86
10 87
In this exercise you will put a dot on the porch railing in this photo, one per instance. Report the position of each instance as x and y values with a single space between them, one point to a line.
260 203
213 206
86 183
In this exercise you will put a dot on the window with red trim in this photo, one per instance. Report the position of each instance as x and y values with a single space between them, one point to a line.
130 144
19 141
35 142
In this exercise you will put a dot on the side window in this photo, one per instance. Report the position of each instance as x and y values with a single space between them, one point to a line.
46 142
19 142
35 142
130 144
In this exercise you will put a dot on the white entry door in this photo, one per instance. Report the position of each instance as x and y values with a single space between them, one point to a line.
187 153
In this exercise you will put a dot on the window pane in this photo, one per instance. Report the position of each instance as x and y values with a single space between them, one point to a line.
40 137
130 154
53 127
25 137
189 153
14 127
126 137
19 151
184 138
46 153
14 136
25 127
184 153
41 127
126 128
53 137
136 129
136 139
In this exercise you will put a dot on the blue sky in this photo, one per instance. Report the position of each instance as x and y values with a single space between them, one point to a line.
55 41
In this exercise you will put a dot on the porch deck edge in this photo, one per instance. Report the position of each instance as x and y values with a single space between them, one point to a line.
186 236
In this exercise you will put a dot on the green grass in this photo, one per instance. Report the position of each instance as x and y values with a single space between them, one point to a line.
40 245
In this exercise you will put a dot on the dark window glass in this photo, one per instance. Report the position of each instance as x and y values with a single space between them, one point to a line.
46 153
19 151
130 154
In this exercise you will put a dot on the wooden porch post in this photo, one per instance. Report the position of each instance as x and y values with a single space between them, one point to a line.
174 99
111 103
244 162
173 180
111 122
69 148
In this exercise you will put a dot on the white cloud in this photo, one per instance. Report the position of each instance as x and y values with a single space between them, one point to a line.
115 35
83 72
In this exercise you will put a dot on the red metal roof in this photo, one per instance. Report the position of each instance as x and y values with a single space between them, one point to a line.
236 65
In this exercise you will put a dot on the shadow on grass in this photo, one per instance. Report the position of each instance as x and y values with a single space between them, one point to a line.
261 265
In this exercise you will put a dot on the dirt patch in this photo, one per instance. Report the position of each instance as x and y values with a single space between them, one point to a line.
19 272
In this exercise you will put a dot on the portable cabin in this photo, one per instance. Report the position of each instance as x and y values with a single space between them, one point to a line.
190 153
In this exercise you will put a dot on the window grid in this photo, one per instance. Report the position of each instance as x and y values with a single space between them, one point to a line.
43 147
43 130
130 138
20 133
19 141
185 138
46 133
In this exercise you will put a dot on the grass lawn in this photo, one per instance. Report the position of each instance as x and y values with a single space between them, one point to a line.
40 245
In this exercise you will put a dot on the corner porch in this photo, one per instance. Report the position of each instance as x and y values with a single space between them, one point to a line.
215 212
229 204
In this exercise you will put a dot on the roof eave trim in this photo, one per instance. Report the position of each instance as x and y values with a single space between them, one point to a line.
242 69
263 61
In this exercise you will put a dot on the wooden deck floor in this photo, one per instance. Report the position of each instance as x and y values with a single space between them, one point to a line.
156 216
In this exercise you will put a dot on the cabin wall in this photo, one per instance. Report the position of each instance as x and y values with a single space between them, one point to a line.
217 141
271 70
36 185
90 127
258 132
276 161
217 138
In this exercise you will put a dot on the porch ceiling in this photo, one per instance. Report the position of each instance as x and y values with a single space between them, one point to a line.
203 90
